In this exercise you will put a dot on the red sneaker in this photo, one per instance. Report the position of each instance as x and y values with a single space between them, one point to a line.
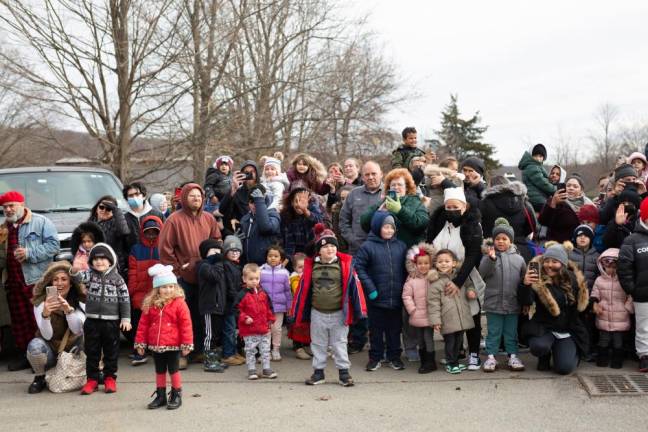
110 385
89 387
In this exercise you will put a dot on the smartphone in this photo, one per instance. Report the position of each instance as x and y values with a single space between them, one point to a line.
561 186
392 194
52 291
249 176
534 267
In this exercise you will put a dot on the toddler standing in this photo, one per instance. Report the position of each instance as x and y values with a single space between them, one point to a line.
275 282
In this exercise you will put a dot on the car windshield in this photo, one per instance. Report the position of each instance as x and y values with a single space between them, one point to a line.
61 190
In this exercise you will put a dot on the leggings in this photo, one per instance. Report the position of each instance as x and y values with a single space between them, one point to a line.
168 361
474 335
564 352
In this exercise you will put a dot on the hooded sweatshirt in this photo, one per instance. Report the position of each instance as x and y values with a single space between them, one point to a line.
143 256
182 234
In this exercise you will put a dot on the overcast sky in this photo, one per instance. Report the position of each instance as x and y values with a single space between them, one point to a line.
530 68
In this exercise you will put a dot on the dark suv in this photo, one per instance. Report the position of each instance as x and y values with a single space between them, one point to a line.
64 194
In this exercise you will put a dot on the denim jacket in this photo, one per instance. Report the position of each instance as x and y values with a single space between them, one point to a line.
39 236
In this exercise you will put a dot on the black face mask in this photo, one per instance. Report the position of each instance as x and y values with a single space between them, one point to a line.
453 216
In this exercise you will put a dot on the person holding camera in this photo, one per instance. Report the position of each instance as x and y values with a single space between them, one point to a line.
625 217
234 204
107 214
625 176
560 213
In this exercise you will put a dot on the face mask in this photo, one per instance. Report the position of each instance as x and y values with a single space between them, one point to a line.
453 216
135 202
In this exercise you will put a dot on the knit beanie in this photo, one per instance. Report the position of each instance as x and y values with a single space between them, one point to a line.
454 193
208 244
324 236
474 163
558 253
162 275
539 149
578 178
624 170
630 195
223 160
583 230
588 213
273 162
156 201
102 250
11 196
643 210
232 242
502 226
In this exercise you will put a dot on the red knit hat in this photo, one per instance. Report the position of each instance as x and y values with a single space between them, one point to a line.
588 213
643 209
324 236
11 196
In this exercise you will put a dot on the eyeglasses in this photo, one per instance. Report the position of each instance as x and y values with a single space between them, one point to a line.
104 208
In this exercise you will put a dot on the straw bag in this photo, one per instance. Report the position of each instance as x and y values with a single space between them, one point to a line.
69 374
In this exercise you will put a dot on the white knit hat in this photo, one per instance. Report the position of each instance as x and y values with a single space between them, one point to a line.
274 162
454 193
162 275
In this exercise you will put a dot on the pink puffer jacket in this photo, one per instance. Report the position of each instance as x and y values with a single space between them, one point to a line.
615 305
416 286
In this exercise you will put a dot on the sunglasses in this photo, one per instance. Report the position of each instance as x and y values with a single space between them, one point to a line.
104 208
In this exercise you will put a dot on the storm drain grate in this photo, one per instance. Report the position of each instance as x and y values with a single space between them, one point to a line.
615 385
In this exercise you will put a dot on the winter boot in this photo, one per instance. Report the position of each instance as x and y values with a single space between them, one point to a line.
38 385
617 359
212 363
603 357
160 398
428 362
544 363
175 399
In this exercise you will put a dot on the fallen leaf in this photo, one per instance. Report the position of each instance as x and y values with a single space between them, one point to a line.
457 388
324 398
196 395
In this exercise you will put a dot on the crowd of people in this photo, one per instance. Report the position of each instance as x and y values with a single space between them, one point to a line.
341 256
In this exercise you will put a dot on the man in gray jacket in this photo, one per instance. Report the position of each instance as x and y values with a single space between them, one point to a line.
357 203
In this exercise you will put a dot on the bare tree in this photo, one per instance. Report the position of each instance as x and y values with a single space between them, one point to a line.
633 138
605 146
566 150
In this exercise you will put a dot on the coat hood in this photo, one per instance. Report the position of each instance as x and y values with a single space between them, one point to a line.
157 222
608 253
541 288
85 227
515 187
184 194
563 173
39 292
104 248
410 261
251 163
377 221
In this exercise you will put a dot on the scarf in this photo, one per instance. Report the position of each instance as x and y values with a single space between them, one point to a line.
576 203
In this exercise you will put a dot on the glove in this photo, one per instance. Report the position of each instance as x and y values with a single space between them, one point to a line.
256 193
373 295
393 206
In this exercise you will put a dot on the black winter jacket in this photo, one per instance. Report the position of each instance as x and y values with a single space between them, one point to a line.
615 234
633 264
212 286
217 184
507 201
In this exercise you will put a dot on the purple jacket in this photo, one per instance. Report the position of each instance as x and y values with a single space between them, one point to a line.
276 283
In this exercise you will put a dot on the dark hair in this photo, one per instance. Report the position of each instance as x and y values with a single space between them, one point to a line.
93 211
276 247
135 185
408 130
89 234
447 252
287 210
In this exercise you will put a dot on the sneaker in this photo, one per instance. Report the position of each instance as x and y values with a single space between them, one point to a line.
182 365
515 364
453 369
275 355
372 365
268 374
643 364
90 387
316 378
233 361
139 359
345 379
462 367
490 365
252 374
412 355
239 357
474 362
302 354
397 364
110 385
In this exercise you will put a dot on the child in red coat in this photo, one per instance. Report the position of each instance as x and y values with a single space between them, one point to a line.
255 318
165 329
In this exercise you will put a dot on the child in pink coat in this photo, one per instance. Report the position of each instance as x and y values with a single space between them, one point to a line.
419 264
612 307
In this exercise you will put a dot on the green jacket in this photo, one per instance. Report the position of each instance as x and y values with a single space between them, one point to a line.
536 179
402 156
411 220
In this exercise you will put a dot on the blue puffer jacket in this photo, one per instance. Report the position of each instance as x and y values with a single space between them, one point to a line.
260 231
380 265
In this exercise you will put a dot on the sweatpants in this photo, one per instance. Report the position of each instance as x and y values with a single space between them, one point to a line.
275 330
168 361
191 295
254 343
425 338
501 325
101 336
563 351
213 331
611 339
641 332
385 329
453 344
229 334
329 330
474 334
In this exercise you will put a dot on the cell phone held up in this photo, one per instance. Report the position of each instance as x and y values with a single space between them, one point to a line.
52 292
534 267
249 175
392 194
561 187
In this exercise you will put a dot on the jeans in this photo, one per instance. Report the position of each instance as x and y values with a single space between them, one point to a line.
453 344
501 325
229 335
191 295
564 352
385 326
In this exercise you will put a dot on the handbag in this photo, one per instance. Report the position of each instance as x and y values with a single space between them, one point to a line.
69 374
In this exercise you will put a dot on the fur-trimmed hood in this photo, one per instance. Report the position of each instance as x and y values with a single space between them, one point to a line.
515 187
410 261
85 227
313 163
543 292
39 291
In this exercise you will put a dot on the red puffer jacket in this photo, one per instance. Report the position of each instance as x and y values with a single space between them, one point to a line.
143 256
256 305
166 329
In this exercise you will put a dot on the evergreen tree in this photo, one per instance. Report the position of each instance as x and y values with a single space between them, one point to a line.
463 138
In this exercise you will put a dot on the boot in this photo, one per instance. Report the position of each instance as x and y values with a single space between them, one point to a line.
175 399
617 359
603 357
212 363
160 398
428 362
38 385
544 363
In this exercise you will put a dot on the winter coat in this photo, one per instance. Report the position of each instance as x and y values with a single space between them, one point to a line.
435 193
381 267
507 201
354 306
165 329
182 234
587 263
403 155
143 256
275 189
633 264
215 295
236 206
254 304
260 230
615 234
118 236
411 220
615 305
134 221
415 290
217 184
297 232
357 203
275 282
536 179
451 312
233 282
560 221
85 227
553 311
502 277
